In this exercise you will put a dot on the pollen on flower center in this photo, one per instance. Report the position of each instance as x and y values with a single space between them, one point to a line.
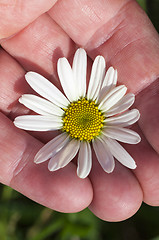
83 120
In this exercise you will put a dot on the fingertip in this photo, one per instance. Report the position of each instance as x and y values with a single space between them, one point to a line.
118 195
61 190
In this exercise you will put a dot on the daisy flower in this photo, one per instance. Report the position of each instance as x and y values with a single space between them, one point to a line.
87 117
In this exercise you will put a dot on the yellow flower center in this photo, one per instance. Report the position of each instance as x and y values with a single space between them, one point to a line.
83 120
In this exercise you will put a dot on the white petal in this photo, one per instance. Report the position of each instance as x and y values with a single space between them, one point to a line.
38 123
51 148
123 120
96 78
126 102
120 153
46 89
122 134
79 69
112 98
84 160
66 78
110 79
104 156
63 157
109 83
40 105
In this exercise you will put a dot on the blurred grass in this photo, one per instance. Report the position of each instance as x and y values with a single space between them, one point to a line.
153 12
143 4
23 219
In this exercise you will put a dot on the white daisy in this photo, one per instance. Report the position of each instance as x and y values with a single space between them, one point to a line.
95 117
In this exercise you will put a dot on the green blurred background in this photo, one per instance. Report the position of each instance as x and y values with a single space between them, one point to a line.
23 219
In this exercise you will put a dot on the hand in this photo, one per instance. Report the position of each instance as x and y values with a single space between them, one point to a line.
34 40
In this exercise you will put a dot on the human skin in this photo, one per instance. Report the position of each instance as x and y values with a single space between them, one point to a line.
34 34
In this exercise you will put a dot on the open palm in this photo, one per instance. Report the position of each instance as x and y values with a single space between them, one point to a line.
34 34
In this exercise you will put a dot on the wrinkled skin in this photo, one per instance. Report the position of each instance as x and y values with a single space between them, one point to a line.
34 34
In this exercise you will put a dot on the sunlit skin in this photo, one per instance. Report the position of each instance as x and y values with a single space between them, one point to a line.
34 34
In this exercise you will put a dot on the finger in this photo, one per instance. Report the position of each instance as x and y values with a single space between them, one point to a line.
147 103
39 46
12 86
128 41
15 15
61 190
147 169
87 16
117 196
12 83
